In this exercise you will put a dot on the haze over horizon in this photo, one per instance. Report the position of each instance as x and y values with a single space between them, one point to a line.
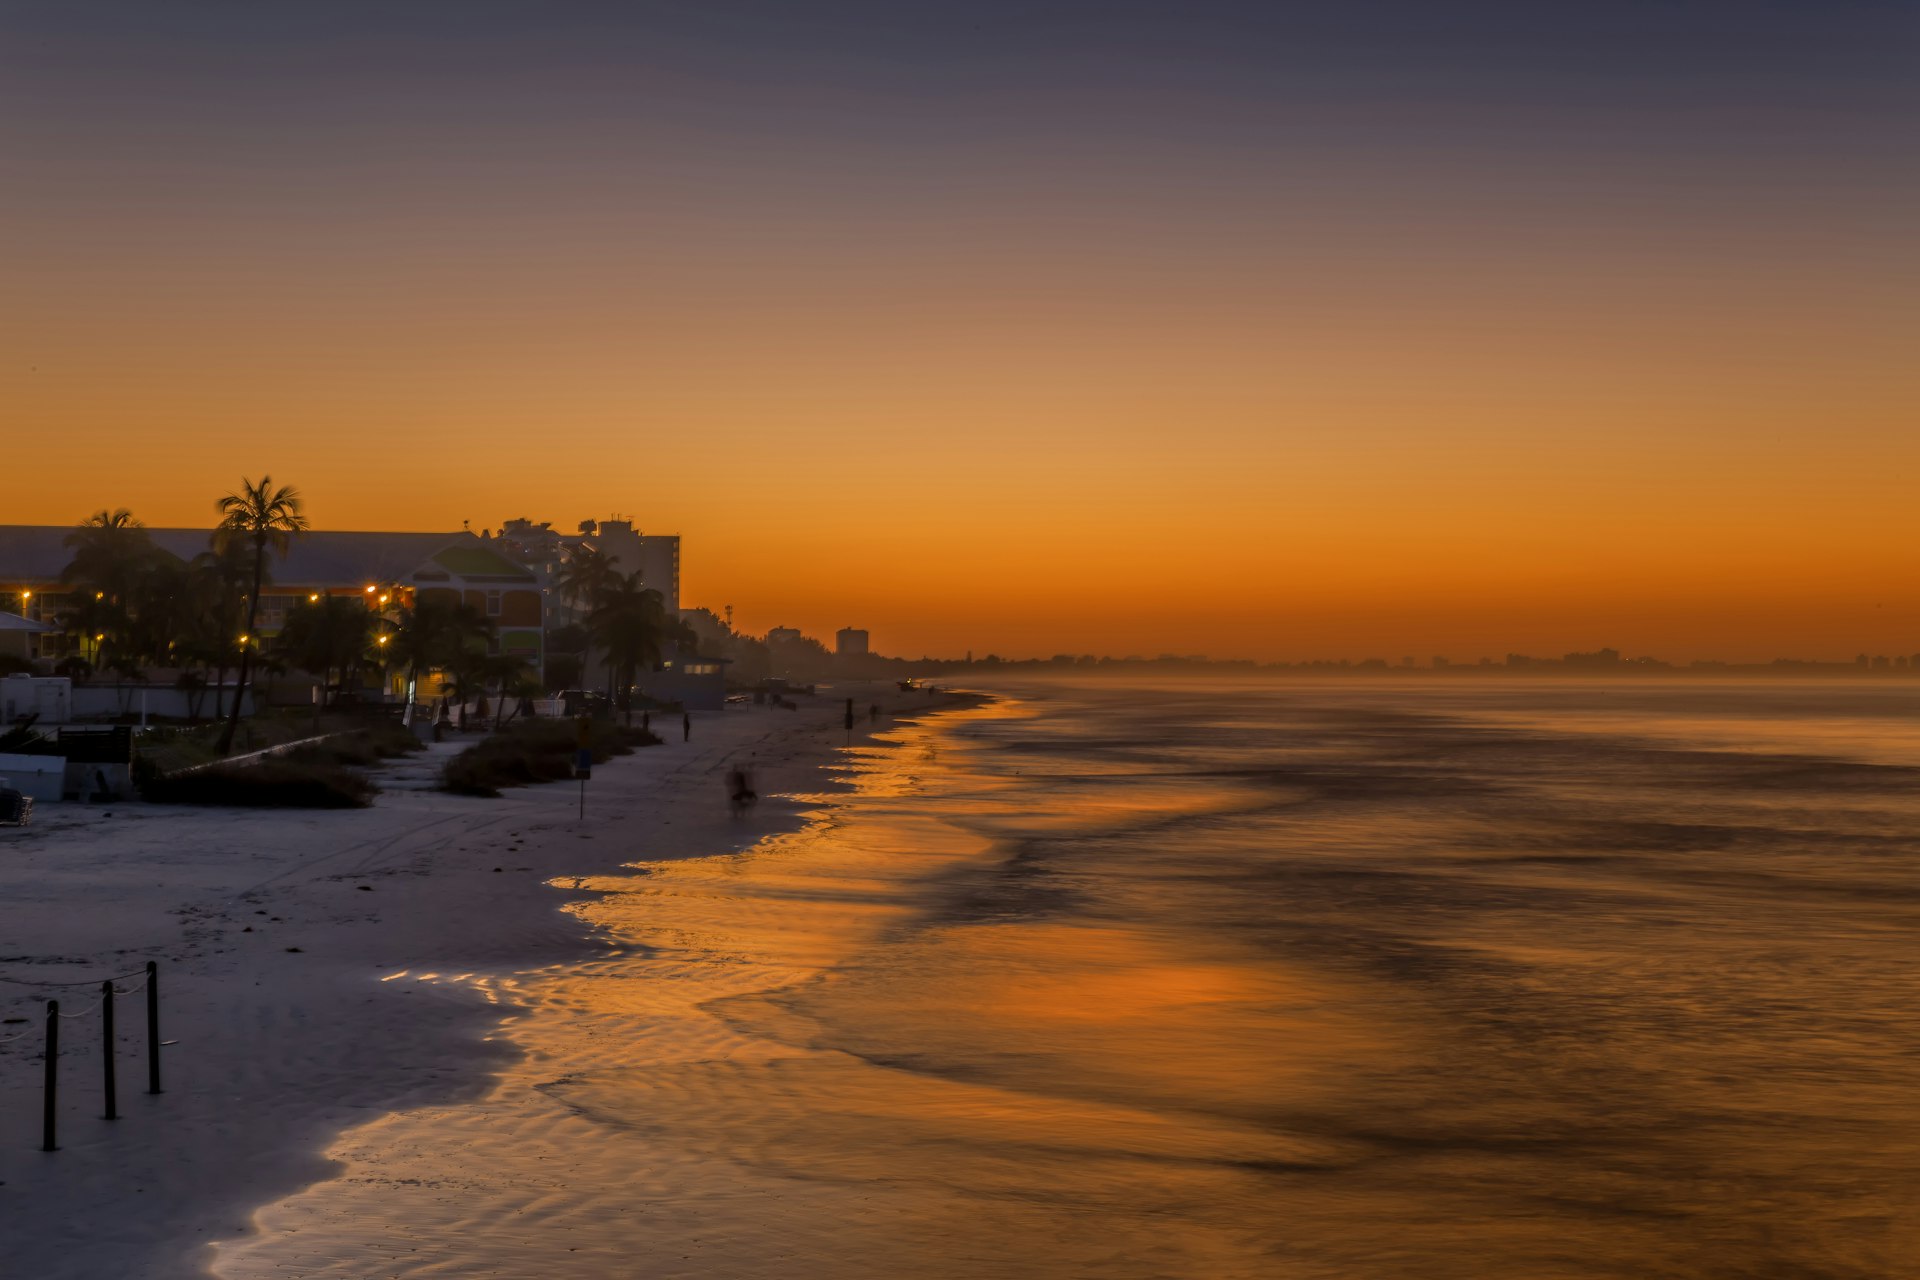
1272 331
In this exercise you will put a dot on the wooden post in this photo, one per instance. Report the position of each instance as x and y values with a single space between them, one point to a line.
50 1094
106 1049
153 1027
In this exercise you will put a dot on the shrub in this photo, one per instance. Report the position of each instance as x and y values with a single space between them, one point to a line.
535 751
361 747
269 784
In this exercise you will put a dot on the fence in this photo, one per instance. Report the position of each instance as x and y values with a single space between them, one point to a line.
109 1088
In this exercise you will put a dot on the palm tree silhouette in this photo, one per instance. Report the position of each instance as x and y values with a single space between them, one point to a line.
259 516
629 621
435 633
587 572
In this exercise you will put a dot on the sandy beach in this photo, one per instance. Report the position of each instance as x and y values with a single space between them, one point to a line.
274 931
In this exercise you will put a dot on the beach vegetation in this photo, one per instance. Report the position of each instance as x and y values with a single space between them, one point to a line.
629 623
328 636
274 783
530 751
438 633
260 517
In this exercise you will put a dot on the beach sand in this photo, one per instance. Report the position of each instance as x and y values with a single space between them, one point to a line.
274 932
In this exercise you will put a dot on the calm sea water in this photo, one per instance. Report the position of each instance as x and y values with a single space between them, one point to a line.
1373 980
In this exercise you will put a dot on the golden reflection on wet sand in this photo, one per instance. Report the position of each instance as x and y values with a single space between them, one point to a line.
1390 995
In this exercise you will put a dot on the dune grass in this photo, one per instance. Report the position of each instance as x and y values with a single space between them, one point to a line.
532 751
266 784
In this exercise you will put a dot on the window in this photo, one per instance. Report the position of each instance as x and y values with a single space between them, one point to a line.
493 604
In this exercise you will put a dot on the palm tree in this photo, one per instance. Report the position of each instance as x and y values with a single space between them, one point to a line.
331 633
258 516
435 632
629 622
509 673
217 583
111 554
587 572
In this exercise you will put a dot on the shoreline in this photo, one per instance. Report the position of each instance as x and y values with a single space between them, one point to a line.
272 928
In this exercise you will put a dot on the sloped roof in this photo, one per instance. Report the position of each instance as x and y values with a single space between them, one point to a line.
14 622
329 557
480 560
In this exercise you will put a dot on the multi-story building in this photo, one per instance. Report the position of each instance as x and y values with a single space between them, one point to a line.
850 642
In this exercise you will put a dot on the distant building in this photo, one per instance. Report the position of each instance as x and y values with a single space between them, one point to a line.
784 635
656 557
696 684
850 641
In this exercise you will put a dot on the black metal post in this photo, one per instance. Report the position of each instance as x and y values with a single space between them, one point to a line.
153 1027
50 1095
106 1048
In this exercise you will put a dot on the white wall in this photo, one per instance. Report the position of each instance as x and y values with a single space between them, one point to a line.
41 777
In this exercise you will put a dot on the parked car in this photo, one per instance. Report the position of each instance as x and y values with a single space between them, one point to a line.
585 702
16 808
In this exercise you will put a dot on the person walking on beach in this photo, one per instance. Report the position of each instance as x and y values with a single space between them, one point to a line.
646 722
686 726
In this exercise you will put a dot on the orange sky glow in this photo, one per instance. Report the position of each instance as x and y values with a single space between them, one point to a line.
1129 395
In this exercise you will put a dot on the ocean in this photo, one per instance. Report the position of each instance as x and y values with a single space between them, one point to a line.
1376 979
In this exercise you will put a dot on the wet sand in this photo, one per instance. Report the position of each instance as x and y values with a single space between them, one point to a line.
1304 981
272 953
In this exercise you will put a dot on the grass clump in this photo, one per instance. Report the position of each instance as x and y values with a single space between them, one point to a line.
361 747
268 784
535 751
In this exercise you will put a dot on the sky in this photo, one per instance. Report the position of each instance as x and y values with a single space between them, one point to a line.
1272 330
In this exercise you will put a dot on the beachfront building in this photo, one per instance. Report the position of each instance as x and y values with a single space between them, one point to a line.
546 550
850 642
387 570
20 638
692 683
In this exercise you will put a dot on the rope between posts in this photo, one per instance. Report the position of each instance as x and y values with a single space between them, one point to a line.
21 1036
84 982
84 1012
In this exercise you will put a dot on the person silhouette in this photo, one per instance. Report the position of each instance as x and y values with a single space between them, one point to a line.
686 726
